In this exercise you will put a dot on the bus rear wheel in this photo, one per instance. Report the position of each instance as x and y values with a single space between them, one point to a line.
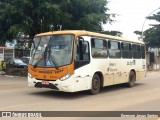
95 88
132 79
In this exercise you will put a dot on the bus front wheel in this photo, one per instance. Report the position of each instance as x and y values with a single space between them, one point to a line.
95 88
132 79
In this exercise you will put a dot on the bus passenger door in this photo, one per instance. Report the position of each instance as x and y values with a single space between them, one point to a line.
82 65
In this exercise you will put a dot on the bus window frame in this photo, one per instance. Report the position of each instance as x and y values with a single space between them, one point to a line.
119 48
129 50
102 39
139 52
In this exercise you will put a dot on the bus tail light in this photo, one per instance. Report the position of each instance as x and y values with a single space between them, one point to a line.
65 77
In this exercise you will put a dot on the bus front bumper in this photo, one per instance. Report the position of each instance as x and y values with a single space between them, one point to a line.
58 85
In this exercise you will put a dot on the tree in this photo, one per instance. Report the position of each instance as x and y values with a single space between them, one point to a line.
114 33
35 16
152 35
138 32
13 18
87 14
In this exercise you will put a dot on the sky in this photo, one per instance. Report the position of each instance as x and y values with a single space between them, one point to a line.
131 15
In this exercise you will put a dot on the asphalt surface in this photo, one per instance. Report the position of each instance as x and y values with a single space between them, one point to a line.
15 95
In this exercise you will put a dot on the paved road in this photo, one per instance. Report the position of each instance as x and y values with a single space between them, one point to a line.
15 95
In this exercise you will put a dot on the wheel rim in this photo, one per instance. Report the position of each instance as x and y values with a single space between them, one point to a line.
95 84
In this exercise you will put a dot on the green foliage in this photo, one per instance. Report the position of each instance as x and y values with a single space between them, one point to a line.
138 32
35 16
114 33
152 35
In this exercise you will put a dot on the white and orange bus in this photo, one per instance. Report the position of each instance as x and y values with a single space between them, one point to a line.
77 60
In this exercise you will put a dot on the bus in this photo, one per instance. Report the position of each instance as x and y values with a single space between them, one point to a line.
79 60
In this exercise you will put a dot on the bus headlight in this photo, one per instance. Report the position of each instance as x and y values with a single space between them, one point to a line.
65 77
29 75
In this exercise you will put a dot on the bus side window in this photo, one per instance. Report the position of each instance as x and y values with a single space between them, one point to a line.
126 50
99 48
114 49
136 51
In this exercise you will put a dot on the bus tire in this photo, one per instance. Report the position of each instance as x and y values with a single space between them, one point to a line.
131 79
96 84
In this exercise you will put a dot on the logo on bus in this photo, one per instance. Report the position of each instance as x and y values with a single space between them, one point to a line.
112 64
111 69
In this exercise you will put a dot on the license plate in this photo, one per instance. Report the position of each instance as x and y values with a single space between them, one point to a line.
45 82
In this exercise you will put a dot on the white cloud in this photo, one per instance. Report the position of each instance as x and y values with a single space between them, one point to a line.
132 14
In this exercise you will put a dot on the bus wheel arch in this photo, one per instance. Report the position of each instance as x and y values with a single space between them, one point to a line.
131 78
101 78
97 83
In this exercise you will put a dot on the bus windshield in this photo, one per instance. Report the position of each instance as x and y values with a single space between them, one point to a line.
51 50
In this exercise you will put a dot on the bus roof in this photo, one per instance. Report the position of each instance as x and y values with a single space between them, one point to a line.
84 32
